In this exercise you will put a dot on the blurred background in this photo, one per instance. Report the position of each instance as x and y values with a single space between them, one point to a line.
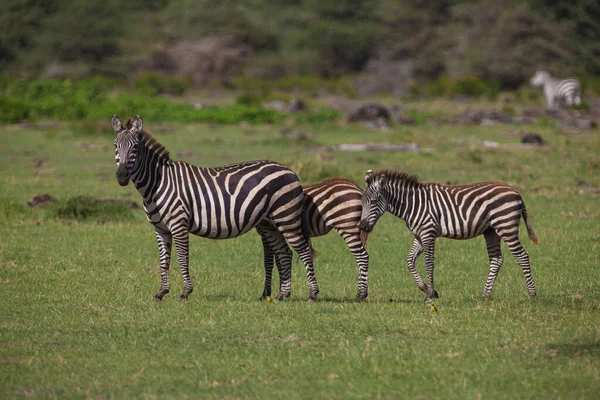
252 51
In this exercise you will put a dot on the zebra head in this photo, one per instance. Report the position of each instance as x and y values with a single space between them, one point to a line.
126 146
374 202
539 78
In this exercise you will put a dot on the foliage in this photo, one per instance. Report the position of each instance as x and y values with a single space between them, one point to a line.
153 83
88 100
469 86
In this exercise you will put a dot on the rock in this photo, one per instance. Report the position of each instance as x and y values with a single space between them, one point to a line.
580 123
533 138
41 200
369 112
275 105
296 105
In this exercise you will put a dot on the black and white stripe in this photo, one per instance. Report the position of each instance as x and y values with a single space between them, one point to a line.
217 203
330 204
432 210
558 92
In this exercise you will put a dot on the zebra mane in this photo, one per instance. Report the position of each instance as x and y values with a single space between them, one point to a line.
155 146
400 177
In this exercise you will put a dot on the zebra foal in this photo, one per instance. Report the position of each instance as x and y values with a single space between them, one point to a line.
432 210
216 203
557 92
330 204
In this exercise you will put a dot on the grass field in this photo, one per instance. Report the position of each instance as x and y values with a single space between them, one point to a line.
78 320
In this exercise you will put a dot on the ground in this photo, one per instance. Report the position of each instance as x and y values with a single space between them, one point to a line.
78 318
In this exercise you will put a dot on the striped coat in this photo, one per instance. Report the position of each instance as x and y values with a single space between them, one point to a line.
330 204
432 210
557 92
216 203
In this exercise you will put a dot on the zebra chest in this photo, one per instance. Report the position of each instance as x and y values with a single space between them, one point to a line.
158 215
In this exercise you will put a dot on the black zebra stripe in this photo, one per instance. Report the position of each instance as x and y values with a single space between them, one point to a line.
330 204
432 210
216 203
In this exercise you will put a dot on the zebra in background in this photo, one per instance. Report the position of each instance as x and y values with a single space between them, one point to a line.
558 92
432 210
217 203
330 204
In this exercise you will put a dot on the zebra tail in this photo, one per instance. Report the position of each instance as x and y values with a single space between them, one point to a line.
530 231
364 236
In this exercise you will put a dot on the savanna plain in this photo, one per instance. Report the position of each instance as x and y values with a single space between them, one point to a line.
78 276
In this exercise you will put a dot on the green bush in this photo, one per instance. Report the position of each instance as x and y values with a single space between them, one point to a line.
247 99
469 86
12 111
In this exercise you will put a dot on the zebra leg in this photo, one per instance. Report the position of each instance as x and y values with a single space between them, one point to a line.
361 256
414 253
164 253
181 238
302 246
268 262
429 250
284 266
517 250
274 243
495 254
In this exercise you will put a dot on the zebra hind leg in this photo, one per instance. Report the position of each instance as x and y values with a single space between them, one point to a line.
361 256
495 255
302 246
181 239
164 251
274 243
517 250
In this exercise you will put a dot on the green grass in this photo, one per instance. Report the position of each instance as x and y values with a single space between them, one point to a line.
78 320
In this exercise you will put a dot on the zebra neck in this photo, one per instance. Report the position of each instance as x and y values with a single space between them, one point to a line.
405 199
148 169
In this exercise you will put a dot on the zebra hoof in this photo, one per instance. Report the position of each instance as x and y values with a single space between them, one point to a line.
360 299
282 296
435 294
312 298
532 293
157 298
183 298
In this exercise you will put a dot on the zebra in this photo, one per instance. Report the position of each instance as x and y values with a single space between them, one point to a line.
330 204
557 92
216 203
432 210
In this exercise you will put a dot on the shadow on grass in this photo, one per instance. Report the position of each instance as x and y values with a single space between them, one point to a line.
574 349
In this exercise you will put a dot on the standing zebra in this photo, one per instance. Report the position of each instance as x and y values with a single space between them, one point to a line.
216 203
557 91
432 210
330 204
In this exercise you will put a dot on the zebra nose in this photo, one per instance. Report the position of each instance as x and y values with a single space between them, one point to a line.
363 225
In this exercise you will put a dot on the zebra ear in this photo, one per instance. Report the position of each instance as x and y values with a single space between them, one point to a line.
115 123
137 124
369 177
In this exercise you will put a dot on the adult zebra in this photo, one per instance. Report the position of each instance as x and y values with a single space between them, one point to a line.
330 204
432 210
557 91
217 203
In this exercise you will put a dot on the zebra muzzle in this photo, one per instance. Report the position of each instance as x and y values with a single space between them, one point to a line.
363 225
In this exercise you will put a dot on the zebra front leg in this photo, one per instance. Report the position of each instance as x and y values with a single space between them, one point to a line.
495 255
268 263
181 238
164 253
414 253
429 250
